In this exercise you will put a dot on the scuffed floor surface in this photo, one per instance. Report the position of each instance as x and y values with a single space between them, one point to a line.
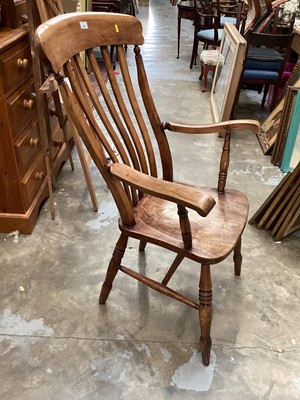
57 343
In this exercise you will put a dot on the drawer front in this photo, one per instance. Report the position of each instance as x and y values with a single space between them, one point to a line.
15 66
33 179
26 146
21 107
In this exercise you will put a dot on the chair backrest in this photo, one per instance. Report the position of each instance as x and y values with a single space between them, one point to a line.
228 8
280 42
210 14
269 22
253 14
113 126
49 9
207 16
106 6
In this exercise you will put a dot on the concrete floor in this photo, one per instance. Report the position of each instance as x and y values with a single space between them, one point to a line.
56 342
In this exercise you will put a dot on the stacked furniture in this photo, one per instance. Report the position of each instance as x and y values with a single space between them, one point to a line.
280 213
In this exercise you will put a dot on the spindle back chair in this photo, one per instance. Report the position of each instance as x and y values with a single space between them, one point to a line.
127 141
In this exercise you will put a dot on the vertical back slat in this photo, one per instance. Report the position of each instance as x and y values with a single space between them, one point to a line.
110 105
73 73
87 96
94 147
124 111
102 114
136 109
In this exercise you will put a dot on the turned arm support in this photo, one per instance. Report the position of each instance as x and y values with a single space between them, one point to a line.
180 194
220 127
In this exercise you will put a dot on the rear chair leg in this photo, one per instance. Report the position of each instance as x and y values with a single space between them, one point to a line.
142 245
205 312
237 257
113 267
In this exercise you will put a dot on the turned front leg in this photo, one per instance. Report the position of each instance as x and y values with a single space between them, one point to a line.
113 268
205 312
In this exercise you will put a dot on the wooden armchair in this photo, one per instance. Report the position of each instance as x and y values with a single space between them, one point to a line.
151 209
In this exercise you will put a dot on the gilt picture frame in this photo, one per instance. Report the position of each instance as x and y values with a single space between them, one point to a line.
227 74
272 127
269 129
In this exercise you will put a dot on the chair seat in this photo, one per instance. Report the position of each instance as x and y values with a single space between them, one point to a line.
260 75
223 20
263 59
214 237
211 57
209 35
264 54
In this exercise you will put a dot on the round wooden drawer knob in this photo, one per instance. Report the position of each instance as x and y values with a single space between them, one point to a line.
22 64
28 104
39 175
34 142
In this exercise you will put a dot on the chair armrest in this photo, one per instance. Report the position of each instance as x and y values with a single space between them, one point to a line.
220 127
182 195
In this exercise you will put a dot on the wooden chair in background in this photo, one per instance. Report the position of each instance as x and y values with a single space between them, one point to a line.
266 56
152 207
210 21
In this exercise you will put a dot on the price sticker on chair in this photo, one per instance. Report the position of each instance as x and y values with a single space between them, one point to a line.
83 25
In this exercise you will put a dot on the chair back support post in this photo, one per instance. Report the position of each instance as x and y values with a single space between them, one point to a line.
163 144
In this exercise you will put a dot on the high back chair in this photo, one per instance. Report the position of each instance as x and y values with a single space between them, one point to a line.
121 134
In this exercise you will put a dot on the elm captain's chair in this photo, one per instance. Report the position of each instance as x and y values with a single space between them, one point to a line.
115 128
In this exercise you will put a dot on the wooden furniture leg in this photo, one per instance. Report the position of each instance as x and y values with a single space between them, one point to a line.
113 267
204 73
142 245
178 35
237 257
84 165
205 312
172 269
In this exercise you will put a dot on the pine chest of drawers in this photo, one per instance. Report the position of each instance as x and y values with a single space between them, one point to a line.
23 180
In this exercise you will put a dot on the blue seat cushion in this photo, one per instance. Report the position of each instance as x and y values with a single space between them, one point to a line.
260 75
264 53
262 58
263 65
223 20
209 34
